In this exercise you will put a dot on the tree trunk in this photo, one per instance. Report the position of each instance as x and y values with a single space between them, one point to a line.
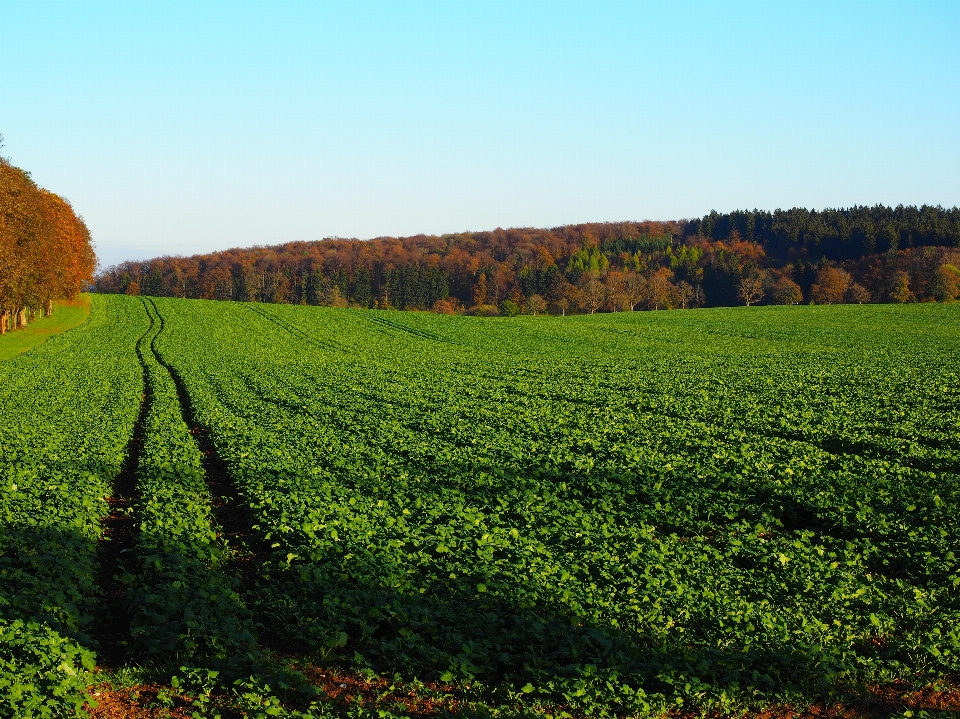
49 308
22 317
3 323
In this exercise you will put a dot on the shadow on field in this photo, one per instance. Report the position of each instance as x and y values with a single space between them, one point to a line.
339 607
49 575
153 602
504 640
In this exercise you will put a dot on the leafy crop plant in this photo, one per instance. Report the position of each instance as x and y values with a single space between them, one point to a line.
611 515
68 411
624 514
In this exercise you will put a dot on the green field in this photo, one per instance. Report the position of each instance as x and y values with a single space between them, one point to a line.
619 514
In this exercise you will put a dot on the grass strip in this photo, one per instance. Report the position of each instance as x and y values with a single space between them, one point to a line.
67 314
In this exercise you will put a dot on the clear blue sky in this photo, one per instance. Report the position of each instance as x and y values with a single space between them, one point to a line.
182 127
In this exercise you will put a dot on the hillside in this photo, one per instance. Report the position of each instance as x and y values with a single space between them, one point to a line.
858 255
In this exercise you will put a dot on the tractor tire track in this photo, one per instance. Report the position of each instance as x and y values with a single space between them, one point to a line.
296 331
110 628
233 517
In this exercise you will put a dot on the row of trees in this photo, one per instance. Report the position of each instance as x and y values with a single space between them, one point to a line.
45 249
576 268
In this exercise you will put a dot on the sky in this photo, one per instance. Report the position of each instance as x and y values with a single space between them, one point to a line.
188 127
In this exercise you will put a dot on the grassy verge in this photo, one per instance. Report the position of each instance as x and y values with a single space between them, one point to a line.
67 314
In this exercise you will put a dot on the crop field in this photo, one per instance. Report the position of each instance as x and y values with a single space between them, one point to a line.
69 408
612 515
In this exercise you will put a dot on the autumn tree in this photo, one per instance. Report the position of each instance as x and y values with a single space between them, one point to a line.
575 297
900 288
830 287
633 288
661 293
333 297
480 290
857 294
45 249
786 292
536 305
726 264
685 294
750 289
594 292
615 297
20 238
945 285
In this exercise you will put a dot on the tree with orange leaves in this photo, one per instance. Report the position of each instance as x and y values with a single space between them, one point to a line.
45 250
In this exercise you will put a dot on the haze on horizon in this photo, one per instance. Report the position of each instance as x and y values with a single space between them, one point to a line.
178 128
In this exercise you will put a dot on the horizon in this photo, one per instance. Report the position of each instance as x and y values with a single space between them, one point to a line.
183 130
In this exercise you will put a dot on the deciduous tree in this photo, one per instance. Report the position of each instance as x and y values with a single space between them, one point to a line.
536 305
786 292
857 293
634 288
830 287
900 288
594 292
661 293
480 290
750 289
945 285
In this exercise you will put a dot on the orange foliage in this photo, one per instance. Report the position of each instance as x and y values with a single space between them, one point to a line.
45 249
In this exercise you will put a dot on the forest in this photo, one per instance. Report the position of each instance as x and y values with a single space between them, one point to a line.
45 249
857 255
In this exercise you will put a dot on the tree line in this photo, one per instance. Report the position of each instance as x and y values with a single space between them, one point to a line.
45 249
836 234
861 254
